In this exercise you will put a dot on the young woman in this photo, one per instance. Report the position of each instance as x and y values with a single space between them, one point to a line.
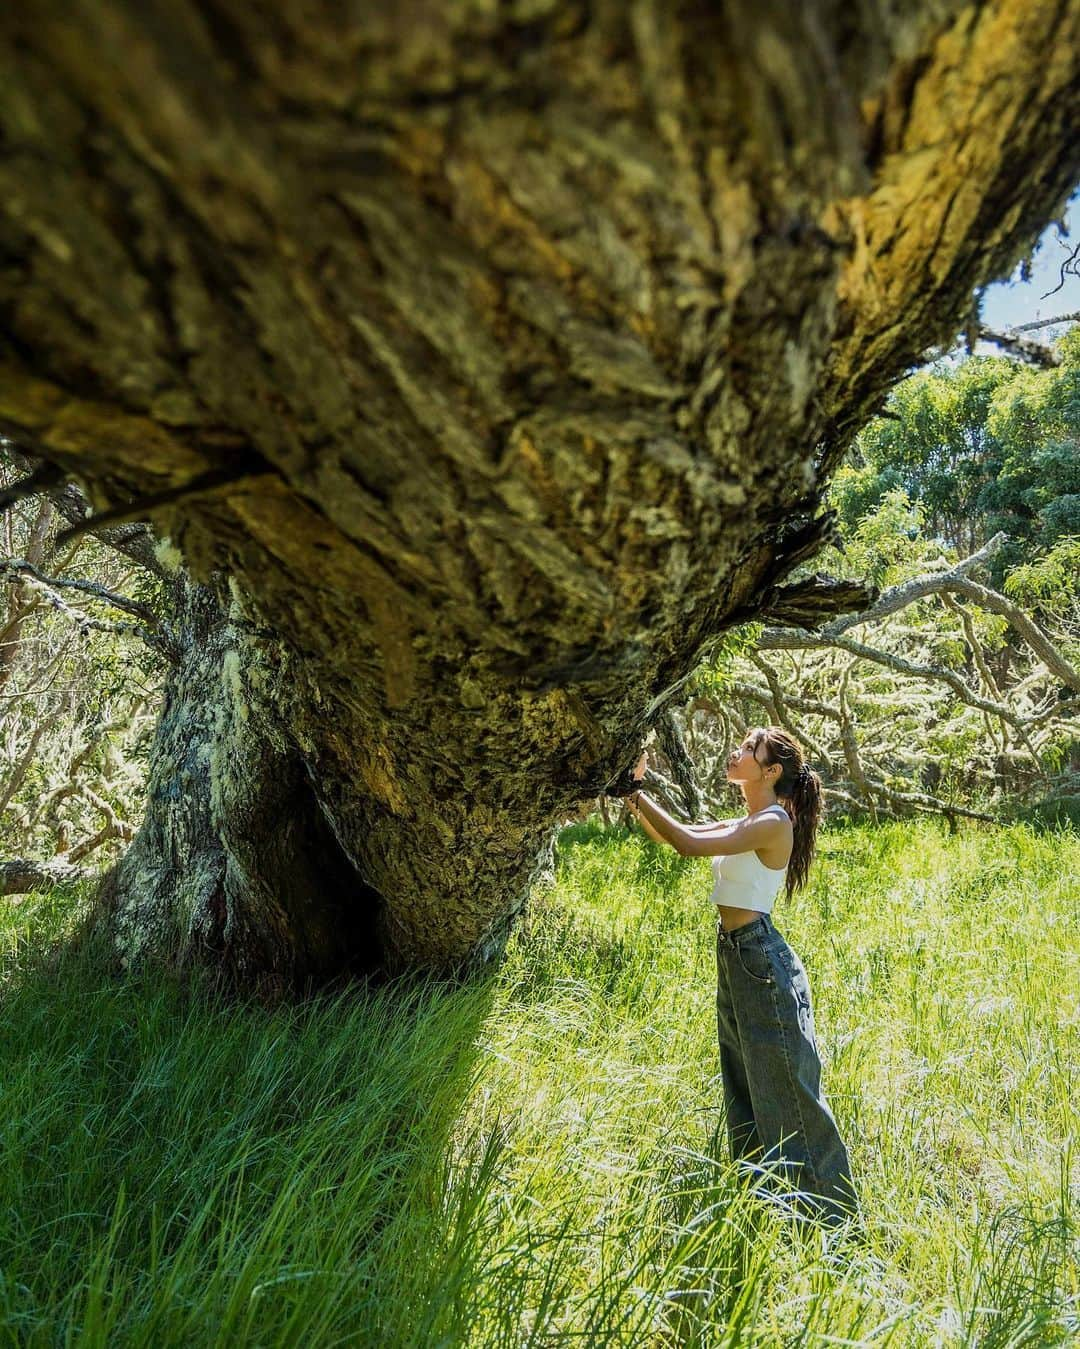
769 1060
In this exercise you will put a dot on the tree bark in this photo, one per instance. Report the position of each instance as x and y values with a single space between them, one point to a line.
21 875
499 356
236 863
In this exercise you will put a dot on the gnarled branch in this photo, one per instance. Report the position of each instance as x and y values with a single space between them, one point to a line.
22 875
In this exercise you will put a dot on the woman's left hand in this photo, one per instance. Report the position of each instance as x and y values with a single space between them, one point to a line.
641 765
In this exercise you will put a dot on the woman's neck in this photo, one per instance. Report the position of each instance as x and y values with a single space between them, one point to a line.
757 797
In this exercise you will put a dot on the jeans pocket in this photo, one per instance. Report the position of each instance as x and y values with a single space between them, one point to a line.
754 962
777 951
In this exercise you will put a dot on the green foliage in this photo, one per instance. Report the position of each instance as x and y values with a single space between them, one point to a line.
885 546
938 440
888 545
715 673
983 446
534 1159
1050 584
856 492
967 451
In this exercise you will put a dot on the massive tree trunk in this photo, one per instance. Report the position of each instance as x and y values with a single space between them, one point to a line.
498 356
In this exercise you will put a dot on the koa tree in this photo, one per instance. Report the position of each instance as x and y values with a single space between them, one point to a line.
482 364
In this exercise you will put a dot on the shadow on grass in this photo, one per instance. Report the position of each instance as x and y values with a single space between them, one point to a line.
1049 815
586 831
182 1168
553 945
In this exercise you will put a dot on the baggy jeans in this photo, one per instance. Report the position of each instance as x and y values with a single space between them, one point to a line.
777 1117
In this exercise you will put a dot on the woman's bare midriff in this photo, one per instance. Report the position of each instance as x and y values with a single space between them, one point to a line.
731 918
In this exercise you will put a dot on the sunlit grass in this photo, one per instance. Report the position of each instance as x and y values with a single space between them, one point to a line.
537 1158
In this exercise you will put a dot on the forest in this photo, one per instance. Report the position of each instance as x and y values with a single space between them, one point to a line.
478 482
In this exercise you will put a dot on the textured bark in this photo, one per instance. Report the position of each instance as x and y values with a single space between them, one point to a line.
21 875
236 862
499 355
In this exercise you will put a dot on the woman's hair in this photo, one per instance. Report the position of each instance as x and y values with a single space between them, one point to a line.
800 787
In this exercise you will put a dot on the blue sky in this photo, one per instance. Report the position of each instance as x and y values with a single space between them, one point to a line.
1011 302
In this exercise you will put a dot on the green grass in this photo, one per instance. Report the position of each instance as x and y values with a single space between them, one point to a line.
535 1159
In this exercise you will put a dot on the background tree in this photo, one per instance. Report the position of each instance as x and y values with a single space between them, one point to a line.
945 696
83 649
987 445
498 359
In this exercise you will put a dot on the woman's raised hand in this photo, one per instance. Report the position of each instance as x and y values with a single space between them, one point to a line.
641 765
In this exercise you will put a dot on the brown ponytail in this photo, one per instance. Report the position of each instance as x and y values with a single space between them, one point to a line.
799 789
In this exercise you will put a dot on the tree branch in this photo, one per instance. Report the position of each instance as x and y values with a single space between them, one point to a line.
682 766
20 770
1026 626
1067 267
956 579
779 704
900 596
783 639
923 801
1031 353
1050 716
22 875
134 541
1045 323
110 830
155 633
15 566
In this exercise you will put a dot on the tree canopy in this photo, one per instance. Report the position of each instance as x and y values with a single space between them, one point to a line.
984 446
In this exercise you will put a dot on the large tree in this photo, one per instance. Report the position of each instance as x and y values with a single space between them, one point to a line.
483 362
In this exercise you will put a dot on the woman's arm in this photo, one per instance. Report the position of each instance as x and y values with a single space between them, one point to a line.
721 840
659 835
657 838
694 828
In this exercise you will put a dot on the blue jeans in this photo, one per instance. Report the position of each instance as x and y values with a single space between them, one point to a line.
776 1114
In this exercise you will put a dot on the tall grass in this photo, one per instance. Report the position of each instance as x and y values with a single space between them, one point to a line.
536 1159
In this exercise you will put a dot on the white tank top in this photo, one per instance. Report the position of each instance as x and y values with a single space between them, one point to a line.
743 881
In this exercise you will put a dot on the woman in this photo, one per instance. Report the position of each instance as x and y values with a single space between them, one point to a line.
769 1060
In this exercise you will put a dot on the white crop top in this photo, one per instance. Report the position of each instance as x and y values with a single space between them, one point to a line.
743 881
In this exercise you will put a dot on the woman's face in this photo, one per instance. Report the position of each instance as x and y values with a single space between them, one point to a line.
744 765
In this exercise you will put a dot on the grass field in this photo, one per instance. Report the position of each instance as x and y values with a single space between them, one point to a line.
535 1159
